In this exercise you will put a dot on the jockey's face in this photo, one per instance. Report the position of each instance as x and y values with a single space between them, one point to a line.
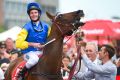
34 15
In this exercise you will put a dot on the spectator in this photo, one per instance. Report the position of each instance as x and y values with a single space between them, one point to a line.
116 60
4 63
118 67
65 67
4 67
92 53
65 50
4 60
1 75
13 57
10 47
3 53
4 57
104 71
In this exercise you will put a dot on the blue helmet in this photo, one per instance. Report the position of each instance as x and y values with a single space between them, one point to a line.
33 6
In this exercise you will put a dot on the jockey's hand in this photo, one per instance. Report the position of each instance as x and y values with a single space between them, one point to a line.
37 45
41 46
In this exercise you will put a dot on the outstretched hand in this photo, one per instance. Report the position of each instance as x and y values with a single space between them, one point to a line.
81 44
82 50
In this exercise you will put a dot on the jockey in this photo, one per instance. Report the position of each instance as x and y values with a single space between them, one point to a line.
32 36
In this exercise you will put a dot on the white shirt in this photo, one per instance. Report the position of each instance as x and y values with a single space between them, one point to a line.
1 74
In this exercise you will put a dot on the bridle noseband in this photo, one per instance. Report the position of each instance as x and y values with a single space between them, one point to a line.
59 23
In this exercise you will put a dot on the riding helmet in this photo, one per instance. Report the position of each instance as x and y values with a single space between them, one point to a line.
33 6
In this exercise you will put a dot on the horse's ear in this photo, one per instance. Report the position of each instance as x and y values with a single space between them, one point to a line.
49 15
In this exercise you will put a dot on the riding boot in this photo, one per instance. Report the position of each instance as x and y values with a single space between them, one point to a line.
22 73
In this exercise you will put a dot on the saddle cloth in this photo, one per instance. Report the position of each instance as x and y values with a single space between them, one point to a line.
17 70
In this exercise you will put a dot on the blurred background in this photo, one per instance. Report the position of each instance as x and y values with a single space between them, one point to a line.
102 18
13 13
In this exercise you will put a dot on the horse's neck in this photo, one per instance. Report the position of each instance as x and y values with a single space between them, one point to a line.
55 48
56 34
53 51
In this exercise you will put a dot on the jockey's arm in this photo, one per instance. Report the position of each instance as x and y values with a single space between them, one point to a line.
22 44
20 41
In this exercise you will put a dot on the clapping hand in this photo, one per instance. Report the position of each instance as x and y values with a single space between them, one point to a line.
66 68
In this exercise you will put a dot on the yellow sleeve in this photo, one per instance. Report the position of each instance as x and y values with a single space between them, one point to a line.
49 30
20 41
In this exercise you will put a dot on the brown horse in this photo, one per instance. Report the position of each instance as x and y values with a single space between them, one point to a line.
49 65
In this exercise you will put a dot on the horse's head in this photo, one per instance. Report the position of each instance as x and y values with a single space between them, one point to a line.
67 22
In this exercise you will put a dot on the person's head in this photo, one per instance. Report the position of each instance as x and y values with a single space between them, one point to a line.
9 43
2 45
106 52
91 50
4 66
2 49
66 60
13 57
65 48
34 11
118 52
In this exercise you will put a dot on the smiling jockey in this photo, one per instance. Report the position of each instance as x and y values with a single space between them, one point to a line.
32 36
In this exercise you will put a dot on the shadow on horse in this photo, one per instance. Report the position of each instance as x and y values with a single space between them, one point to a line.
49 65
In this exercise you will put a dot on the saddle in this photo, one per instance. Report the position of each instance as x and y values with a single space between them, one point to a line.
19 68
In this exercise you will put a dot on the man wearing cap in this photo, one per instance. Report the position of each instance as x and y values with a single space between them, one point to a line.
32 36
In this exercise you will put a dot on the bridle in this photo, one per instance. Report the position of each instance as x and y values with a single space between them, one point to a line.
57 23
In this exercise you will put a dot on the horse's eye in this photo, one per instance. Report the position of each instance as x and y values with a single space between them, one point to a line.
60 16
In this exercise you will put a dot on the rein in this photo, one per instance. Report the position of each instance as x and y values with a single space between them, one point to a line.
57 26
75 64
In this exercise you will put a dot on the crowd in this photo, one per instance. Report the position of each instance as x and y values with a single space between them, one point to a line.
94 62
98 62
8 53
